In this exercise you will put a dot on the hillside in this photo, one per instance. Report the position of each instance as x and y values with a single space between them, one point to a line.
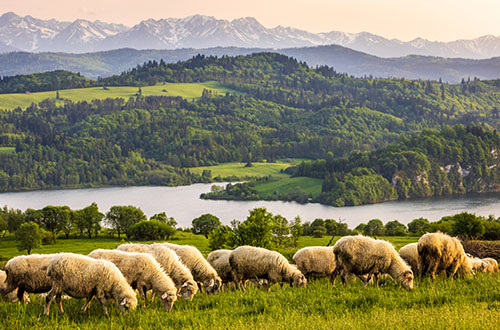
107 63
280 108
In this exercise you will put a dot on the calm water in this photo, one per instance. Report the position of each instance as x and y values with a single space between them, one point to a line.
184 205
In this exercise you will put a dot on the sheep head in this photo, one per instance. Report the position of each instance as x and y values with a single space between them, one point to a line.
212 285
127 304
167 300
406 280
188 289
299 280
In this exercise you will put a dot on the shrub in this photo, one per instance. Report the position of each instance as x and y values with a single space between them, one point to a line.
150 230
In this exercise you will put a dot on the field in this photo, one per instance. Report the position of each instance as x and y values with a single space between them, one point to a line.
285 186
443 304
186 90
239 170
7 150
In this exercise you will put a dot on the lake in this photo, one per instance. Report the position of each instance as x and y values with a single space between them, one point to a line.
183 203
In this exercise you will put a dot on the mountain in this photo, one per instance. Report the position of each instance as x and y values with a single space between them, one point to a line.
198 31
103 64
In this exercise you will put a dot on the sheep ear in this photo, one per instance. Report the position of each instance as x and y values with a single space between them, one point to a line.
164 296
124 301
184 285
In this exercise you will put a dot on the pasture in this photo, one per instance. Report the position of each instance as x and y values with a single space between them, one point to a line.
239 170
443 304
310 186
186 90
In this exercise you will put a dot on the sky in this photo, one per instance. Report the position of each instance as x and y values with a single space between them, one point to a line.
442 20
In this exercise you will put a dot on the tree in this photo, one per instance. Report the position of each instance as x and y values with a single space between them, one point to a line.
91 218
296 230
222 238
164 218
150 230
395 228
374 227
256 230
14 218
280 231
29 237
468 225
419 226
121 218
3 226
56 218
204 224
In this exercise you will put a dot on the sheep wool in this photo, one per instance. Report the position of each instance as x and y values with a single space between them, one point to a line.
361 255
28 274
9 295
200 268
83 277
409 253
171 264
143 272
491 265
440 252
219 259
249 262
316 261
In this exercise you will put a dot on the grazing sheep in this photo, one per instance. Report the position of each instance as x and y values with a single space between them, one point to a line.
11 295
143 272
171 265
439 252
84 277
200 268
361 255
477 264
316 260
249 262
28 274
491 265
219 259
409 253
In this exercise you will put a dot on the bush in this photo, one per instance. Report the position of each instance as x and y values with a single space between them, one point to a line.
375 227
48 237
468 225
419 226
319 231
150 230
395 228
205 224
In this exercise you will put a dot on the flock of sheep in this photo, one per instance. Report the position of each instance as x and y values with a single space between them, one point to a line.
174 271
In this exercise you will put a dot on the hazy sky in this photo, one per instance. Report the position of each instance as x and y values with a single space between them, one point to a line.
404 19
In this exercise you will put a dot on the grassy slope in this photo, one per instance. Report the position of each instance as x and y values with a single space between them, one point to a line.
443 304
239 170
194 90
308 185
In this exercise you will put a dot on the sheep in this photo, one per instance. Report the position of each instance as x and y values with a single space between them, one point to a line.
409 253
202 271
315 260
249 262
219 259
9 295
143 272
477 264
361 255
83 277
491 265
171 265
439 252
27 274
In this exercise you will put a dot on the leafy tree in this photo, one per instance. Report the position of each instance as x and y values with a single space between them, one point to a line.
121 218
331 226
281 231
307 229
468 225
360 228
150 230
164 218
56 218
444 225
222 238
3 226
205 224
256 230
419 226
374 227
14 218
395 228
296 230
91 219
319 231
29 237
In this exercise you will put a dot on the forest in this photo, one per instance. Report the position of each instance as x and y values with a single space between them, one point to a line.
284 109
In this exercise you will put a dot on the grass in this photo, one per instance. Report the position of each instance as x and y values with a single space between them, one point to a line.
310 186
239 170
186 90
7 150
442 304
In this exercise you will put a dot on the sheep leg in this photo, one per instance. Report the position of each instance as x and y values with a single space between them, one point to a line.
344 278
452 270
334 277
143 295
87 303
102 300
20 295
59 304
48 300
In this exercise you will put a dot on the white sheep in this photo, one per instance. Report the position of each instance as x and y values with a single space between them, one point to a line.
28 274
315 261
409 253
219 259
249 262
361 255
143 272
83 277
171 264
440 252
491 265
202 271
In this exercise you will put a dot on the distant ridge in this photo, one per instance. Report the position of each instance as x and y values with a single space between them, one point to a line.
35 35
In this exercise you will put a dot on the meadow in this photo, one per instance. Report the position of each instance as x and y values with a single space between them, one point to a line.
238 169
443 304
310 186
186 90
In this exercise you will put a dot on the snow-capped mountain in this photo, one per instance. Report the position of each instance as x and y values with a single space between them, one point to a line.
198 31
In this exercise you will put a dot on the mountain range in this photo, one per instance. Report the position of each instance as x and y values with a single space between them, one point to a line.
30 34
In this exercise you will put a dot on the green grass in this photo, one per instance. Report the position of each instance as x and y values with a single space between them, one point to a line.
186 90
285 186
239 170
7 150
442 304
